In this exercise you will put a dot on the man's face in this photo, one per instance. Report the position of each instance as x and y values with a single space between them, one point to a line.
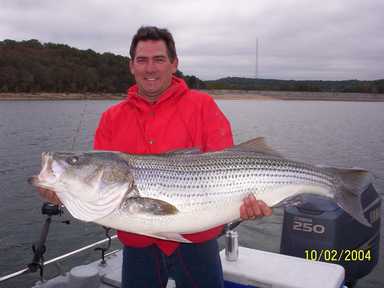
152 68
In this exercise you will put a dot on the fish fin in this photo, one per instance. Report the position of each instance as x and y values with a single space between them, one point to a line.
187 151
257 145
145 205
291 201
348 195
354 179
172 237
132 191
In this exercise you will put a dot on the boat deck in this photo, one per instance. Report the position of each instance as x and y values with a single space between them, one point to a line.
254 268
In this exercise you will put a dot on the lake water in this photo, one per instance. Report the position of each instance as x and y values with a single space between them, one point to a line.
331 133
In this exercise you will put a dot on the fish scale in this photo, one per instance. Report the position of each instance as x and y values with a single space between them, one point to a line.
229 174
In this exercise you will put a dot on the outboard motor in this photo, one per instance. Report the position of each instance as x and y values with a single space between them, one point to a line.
318 229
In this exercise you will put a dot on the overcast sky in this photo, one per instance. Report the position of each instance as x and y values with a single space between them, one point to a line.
298 39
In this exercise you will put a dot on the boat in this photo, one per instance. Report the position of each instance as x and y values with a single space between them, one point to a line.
315 245
253 268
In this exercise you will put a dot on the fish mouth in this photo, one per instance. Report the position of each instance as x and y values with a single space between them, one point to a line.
49 173
33 180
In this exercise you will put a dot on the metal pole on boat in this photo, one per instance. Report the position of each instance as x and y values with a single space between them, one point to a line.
231 245
80 250
50 210
39 249
26 270
13 275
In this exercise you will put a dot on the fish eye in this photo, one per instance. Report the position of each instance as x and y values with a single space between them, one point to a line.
72 160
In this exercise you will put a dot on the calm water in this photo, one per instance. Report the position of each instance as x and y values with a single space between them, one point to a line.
332 133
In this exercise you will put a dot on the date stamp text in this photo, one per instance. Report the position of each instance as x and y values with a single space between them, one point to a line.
336 255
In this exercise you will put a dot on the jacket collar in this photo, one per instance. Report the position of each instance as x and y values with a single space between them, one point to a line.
177 88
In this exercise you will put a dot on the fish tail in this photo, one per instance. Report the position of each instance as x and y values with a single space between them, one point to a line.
348 193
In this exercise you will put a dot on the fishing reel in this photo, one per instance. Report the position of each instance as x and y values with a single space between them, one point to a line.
51 209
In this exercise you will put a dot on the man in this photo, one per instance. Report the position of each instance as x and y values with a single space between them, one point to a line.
161 114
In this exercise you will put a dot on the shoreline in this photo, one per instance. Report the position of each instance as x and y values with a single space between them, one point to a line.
216 94
59 96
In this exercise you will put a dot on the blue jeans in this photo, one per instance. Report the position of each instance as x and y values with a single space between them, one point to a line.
191 265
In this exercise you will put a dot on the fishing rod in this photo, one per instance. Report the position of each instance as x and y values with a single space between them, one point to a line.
50 210
77 131
39 248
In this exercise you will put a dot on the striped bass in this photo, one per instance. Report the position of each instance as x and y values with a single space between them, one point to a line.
186 191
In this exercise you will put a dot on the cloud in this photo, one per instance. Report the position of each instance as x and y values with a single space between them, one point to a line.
298 39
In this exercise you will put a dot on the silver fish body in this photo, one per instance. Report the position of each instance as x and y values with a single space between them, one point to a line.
185 192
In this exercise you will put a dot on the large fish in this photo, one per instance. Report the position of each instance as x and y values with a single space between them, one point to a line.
186 191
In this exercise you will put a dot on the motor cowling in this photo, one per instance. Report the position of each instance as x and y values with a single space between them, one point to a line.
318 229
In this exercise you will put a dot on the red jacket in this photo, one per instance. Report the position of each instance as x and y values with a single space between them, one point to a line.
180 118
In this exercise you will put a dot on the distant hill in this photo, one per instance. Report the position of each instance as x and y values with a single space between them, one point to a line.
238 83
31 66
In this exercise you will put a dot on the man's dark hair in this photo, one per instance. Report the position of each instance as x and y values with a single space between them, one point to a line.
153 33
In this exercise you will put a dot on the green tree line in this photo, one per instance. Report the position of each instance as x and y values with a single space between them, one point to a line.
237 83
31 66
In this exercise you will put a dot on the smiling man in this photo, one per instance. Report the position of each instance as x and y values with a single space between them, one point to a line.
152 68
162 114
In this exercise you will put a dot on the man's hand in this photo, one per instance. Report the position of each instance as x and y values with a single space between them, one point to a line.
252 208
49 195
